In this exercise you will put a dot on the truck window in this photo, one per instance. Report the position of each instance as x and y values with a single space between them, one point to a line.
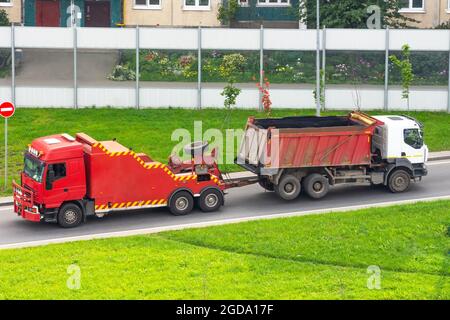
59 169
413 138
33 168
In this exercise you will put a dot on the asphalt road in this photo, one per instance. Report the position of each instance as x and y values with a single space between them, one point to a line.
247 202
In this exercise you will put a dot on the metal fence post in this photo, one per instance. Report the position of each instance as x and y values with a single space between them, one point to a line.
137 69
261 65
13 64
199 69
448 102
324 55
386 72
318 59
13 97
75 66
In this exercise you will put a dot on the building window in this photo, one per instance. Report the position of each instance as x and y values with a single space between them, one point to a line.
196 5
244 3
275 3
412 5
5 3
146 4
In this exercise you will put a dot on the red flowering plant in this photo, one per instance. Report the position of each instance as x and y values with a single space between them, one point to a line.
265 94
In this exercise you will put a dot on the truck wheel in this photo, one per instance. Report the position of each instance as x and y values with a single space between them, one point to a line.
181 203
288 187
316 186
266 184
210 200
399 181
70 216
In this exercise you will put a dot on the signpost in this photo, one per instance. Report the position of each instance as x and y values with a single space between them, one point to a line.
7 110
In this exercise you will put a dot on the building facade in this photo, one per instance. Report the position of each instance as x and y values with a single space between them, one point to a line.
57 13
428 13
269 13
177 13
13 9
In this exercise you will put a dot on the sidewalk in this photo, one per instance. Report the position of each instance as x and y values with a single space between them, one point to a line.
434 156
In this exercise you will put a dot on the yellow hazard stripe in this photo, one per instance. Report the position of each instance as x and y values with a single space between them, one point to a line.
152 165
119 205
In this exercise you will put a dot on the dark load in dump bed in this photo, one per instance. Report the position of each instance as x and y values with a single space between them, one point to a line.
299 142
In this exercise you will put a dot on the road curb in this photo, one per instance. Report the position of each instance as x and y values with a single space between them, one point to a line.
438 156
153 230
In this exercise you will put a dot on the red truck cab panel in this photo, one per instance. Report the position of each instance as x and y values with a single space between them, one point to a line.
63 155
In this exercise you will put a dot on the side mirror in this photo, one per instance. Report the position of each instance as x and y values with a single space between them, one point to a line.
50 179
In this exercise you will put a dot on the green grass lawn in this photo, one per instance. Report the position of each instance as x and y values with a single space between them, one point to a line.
311 257
150 130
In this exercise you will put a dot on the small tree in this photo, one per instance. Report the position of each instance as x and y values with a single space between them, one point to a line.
265 94
231 64
405 67
322 90
4 20
227 11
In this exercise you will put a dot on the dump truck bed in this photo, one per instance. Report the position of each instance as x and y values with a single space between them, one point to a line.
297 142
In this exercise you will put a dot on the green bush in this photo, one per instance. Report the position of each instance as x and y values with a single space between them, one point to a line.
4 20
342 67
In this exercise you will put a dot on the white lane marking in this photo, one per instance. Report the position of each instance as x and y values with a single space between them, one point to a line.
126 233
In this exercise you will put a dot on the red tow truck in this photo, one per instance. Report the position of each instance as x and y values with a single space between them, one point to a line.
66 179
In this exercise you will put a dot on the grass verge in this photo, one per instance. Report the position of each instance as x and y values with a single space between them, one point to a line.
313 257
150 130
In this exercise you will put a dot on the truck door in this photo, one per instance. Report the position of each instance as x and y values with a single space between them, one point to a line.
56 184
413 146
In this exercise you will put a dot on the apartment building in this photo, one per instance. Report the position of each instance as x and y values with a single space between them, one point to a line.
57 13
428 13
13 8
269 13
176 13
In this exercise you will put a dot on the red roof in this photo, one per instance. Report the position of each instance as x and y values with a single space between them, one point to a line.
57 147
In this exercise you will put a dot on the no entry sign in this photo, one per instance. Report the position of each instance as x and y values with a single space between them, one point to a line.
7 109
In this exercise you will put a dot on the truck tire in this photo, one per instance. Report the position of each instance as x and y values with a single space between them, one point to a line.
288 188
266 185
210 200
399 181
181 203
70 216
316 186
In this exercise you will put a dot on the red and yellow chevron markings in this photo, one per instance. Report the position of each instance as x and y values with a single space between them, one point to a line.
152 165
131 204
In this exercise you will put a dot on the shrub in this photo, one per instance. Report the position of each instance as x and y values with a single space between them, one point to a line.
122 73
4 20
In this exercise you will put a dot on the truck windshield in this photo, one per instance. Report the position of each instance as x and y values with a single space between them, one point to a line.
33 168
413 138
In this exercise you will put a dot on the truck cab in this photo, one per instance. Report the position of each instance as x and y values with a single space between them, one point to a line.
53 173
400 138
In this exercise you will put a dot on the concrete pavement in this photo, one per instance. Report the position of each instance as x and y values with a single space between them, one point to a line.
242 204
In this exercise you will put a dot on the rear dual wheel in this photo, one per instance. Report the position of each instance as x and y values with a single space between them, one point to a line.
182 202
316 186
288 188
